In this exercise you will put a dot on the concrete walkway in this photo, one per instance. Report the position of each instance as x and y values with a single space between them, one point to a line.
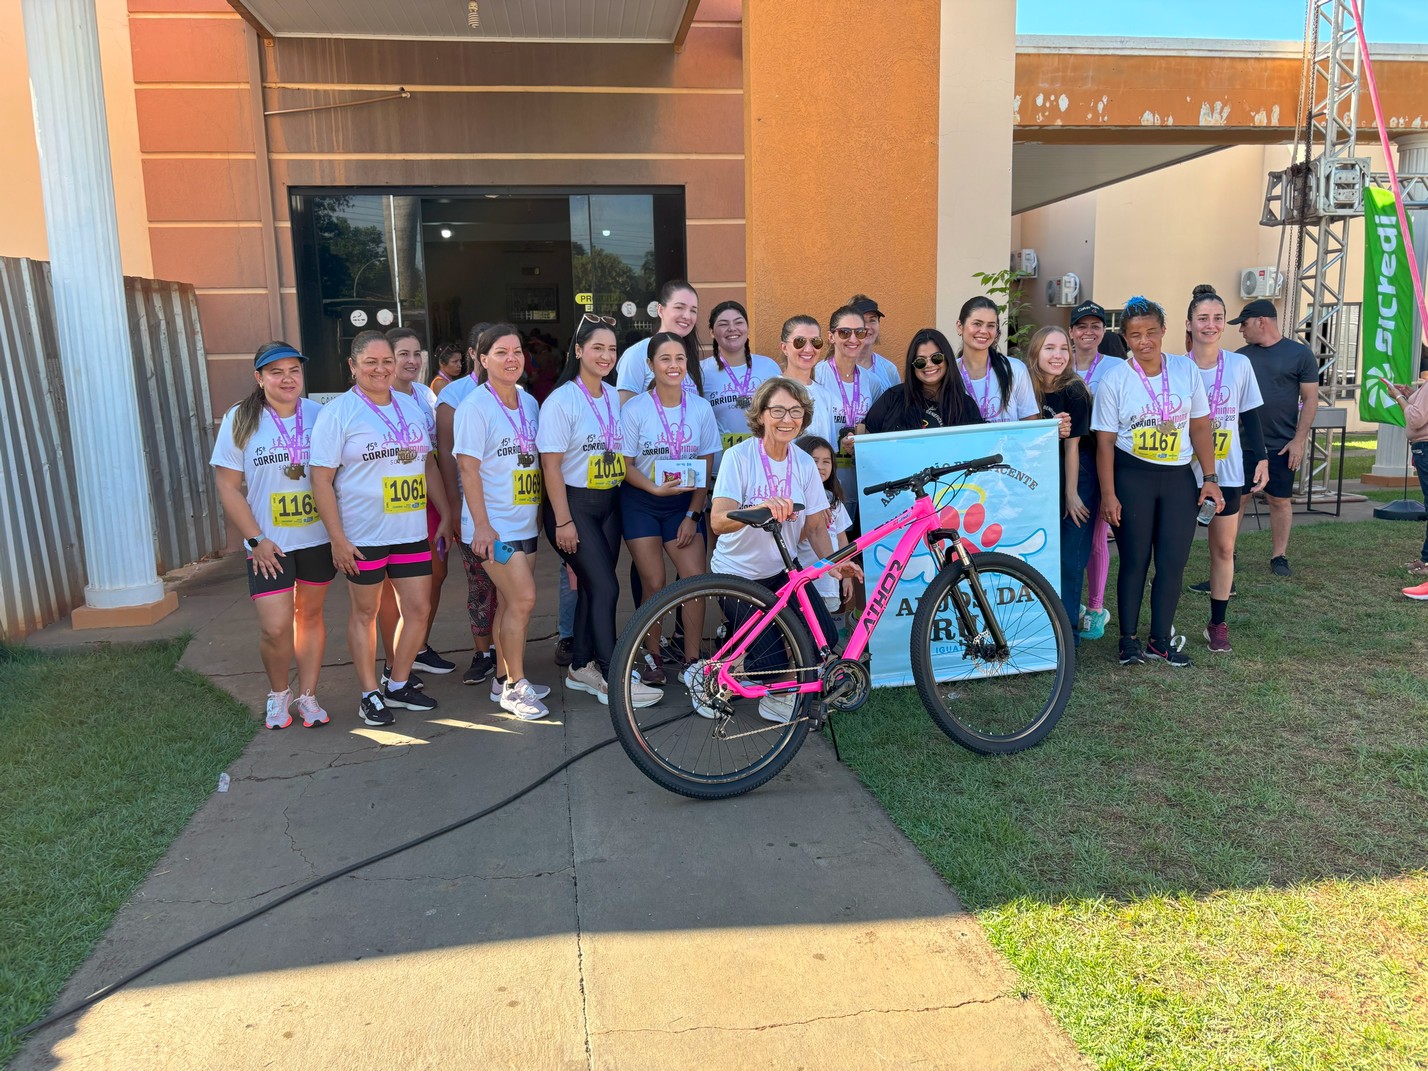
600 922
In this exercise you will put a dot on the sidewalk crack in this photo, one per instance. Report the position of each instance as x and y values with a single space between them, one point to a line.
757 1027
579 934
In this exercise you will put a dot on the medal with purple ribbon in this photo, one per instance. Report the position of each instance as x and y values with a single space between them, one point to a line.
1162 404
293 470
404 436
676 446
609 430
525 437
985 401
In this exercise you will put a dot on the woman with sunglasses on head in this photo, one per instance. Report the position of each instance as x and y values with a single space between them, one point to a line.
669 439
769 470
262 447
480 592
733 373
1235 400
582 458
1150 417
1000 387
870 359
854 388
927 396
406 344
372 463
802 349
495 433
678 310
450 358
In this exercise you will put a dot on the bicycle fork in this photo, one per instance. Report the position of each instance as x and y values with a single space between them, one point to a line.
965 622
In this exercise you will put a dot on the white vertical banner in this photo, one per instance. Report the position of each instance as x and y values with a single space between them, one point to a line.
1015 510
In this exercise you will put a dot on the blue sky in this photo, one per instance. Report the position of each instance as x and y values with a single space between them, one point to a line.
1258 20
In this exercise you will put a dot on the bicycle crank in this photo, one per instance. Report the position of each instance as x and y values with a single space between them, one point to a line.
846 684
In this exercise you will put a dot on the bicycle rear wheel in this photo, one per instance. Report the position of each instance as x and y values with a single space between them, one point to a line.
735 745
993 702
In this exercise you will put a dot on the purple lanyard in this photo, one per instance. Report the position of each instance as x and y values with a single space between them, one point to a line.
1162 405
293 444
986 399
1217 410
607 430
768 473
404 437
525 439
745 388
1094 361
676 453
852 413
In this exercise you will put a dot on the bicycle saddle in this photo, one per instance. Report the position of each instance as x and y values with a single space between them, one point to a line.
759 516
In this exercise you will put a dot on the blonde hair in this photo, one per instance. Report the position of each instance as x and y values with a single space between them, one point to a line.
1068 376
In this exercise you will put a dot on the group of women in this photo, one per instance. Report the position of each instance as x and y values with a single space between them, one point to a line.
378 482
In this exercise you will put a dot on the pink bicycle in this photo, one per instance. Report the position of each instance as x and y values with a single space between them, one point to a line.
991 654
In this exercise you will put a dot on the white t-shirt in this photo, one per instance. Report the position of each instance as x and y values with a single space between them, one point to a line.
577 426
987 393
281 505
632 373
750 552
381 499
851 402
886 371
1237 394
838 522
644 433
457 390
486 430
1092 376
724 387
426 398
1124 405
825 403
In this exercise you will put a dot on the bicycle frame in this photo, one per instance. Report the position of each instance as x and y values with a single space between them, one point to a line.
921 521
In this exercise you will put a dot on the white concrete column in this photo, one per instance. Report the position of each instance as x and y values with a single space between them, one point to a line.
1391 456
67 91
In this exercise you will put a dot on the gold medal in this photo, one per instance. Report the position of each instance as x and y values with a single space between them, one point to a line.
1165 427
294 472
406 455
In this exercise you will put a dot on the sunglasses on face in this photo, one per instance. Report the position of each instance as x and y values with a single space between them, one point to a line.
780 412
922 362
799 341
845 333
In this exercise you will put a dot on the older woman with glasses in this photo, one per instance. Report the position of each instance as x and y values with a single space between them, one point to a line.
927 397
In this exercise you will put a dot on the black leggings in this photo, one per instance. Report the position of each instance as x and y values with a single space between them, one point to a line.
1157 516
597 522
768 653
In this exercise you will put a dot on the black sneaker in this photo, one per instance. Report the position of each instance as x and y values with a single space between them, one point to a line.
408 697
483 665
1204 589
373 711
1160 651
1279 566
432 662
413 681
1131 654
563 653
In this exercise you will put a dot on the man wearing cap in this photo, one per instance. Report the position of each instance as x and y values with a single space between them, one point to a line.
1288 377
885 371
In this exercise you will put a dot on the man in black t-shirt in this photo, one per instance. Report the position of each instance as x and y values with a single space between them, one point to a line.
1288 377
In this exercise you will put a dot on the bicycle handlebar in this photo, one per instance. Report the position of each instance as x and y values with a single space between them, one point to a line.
920 479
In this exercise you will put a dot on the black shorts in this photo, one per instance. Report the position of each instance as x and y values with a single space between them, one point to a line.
396 561
1281 476
1232 501
311 565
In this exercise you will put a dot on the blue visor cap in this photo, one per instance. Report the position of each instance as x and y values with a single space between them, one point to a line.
277 353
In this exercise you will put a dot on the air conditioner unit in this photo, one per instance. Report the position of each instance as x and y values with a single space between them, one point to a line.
1260 282
1063 291
1023 263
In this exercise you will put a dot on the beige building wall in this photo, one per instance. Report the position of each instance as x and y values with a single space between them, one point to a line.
1064 237
24 231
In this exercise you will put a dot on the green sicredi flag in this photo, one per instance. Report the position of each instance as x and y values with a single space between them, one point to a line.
1388 349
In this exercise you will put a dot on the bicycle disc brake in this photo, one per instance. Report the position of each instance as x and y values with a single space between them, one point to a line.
846 684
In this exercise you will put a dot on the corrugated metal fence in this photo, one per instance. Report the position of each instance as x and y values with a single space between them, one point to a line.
41 552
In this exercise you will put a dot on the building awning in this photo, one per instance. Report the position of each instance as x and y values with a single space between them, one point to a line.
623 21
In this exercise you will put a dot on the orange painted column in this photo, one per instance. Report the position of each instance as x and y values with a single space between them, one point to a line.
840 166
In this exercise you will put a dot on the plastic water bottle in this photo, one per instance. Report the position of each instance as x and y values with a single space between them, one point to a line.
1206 514
223 782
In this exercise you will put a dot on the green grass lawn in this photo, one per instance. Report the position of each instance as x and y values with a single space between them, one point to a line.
107 755
1217 867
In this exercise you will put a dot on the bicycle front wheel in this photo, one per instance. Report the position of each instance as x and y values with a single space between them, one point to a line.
703 741
992 700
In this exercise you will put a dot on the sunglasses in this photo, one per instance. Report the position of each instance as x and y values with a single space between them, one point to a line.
845 333
591 318
799 341
922 362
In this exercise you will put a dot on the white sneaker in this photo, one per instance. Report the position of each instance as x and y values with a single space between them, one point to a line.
778 707
588 679
277 714
497 683
520 699
693 679
312 714
641 695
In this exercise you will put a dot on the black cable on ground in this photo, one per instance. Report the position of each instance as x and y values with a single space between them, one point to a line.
114 987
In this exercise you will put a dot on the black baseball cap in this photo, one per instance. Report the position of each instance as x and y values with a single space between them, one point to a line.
1088 308
863 306
1256 308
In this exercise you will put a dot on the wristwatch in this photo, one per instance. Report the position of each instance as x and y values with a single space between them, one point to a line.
252 544
1210 477
689 513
